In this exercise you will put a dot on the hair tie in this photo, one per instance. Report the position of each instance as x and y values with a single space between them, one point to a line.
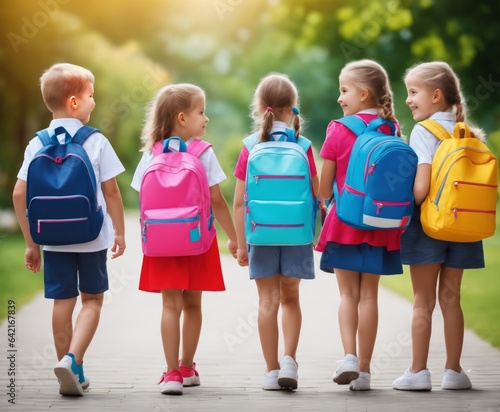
458 104
295 110
269 109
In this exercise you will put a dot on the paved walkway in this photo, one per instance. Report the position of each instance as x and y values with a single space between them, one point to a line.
125 359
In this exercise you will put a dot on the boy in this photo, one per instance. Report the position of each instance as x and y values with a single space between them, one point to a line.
67 91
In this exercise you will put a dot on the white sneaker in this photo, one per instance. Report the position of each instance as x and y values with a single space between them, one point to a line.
420 381
347 371
362 383
455 380
288 374
67 373
270 382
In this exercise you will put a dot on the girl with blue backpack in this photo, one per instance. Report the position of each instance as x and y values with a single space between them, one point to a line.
357 257
174 121
276 244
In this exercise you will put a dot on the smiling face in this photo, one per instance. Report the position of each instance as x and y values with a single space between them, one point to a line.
196 119
352 98
422 101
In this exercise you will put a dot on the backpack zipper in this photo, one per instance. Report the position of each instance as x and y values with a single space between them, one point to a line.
381 203
258 177
456 211
276 225
460 182
76 219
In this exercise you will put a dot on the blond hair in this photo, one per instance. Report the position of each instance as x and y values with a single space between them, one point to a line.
274 94
440 75
61 81
370 75
164 109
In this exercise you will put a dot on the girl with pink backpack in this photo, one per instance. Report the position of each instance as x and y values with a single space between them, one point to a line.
175 120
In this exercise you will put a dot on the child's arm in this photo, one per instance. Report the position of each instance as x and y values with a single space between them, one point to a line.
32 256
239 221
328 171
114 204
422 182
221 212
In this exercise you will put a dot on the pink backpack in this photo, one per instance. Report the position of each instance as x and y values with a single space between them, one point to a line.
174 201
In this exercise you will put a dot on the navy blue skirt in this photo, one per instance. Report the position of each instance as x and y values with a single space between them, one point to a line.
361 258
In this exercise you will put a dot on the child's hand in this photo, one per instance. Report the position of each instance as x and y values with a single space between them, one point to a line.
232 245
242 256
33 258
118 247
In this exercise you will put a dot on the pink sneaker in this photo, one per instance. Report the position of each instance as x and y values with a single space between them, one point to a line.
171 382
190 375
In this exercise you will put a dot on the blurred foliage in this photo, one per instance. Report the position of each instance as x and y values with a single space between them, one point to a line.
226 46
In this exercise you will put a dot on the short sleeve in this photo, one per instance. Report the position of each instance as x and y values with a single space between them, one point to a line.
424 143
240 170
329 149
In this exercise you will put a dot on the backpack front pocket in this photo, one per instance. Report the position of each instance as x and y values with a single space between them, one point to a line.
278 223
62 220
183 223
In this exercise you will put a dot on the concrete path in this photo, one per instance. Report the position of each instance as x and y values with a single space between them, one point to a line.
125 360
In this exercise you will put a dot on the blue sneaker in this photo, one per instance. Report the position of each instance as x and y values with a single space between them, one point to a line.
69 375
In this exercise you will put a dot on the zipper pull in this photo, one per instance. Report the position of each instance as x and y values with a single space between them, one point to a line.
455 213
144 237
256 179
370 169
254 225
379 206
39 225
456 185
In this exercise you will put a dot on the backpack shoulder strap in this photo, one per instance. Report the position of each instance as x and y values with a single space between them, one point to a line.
83 133
354 123
251 141
44 137
436 129
197 147
304 142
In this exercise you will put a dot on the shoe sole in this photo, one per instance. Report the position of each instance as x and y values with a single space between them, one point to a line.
85 385
192 381
419 388
172 388
287 383
68 382
346 377
450 388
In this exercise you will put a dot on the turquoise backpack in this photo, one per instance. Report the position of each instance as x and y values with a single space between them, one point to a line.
378 189
280 207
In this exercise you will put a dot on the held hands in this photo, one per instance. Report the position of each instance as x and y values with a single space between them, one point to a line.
118 247
232 246
33 258
242 256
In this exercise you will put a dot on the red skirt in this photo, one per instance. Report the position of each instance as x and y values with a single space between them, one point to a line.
200 272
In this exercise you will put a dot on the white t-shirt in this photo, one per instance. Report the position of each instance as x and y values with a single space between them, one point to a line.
424 142
106 166
214 171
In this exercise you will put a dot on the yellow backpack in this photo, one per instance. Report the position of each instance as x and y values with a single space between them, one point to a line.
461 203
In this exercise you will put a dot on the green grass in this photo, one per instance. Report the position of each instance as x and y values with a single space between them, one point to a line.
480 293
16 282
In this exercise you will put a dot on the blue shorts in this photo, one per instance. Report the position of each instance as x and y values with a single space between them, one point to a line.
419 249
361 258
293 261
67 272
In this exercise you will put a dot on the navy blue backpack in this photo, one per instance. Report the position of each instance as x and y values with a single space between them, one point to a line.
378 190
61 195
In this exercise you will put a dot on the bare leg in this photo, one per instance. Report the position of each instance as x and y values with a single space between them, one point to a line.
62 325
191 327
170 326
269 301
368 319
291 314
424 281
450 281
86 325
349 288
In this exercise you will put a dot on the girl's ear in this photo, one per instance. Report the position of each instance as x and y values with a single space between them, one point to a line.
437 95
364 94
181 118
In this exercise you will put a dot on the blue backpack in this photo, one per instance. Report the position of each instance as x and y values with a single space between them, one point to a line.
280 207
378 190
61 195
